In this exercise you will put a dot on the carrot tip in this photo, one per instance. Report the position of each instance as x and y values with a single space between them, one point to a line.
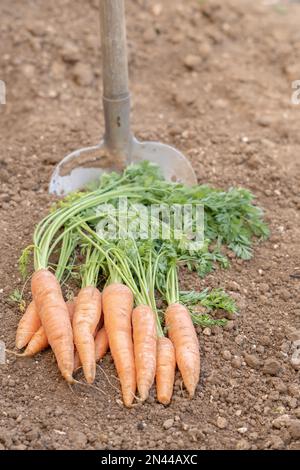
69 378
164 400
90 380
89 375
128 403
144 394
14 353
128 400
191 393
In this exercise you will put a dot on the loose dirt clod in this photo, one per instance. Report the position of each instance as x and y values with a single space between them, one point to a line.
252 360
168 423
221 422
271 366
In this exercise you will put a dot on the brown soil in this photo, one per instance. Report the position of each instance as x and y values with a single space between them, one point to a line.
228 107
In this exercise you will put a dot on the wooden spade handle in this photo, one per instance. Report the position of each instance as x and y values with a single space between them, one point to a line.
114 49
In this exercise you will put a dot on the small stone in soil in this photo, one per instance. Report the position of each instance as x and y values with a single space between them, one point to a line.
204 50
233 286
294 428
264 121
293 334
294 390
78 439
229 325
70 53
295 362
276 442
265 340
207 331
297 412
226 355
141 426
279 385
243 444
221 422
192 61
236 362
271 366
103 438
239 339
19 447
281 421
242 430
83 74
252 360
168 423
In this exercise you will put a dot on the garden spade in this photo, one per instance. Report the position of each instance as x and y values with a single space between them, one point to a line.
119 147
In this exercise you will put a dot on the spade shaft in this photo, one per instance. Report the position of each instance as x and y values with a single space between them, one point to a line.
116 97
114 49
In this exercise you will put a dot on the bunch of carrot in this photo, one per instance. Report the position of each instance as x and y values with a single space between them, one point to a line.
145 343
77 335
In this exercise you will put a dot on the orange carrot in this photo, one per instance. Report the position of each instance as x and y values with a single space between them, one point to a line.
86 318
71 307
55 319
39 340
101 344
100 324
117 308
145 342
38 343
77 361
182 333
165 370
101 347
28 325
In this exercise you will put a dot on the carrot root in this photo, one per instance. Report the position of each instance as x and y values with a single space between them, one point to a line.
39 340
165 370
117 308
145 348
55 319
86 318
38 343
28 325
101 344
182 333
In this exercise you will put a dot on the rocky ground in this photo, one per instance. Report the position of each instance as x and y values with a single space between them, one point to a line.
214 79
